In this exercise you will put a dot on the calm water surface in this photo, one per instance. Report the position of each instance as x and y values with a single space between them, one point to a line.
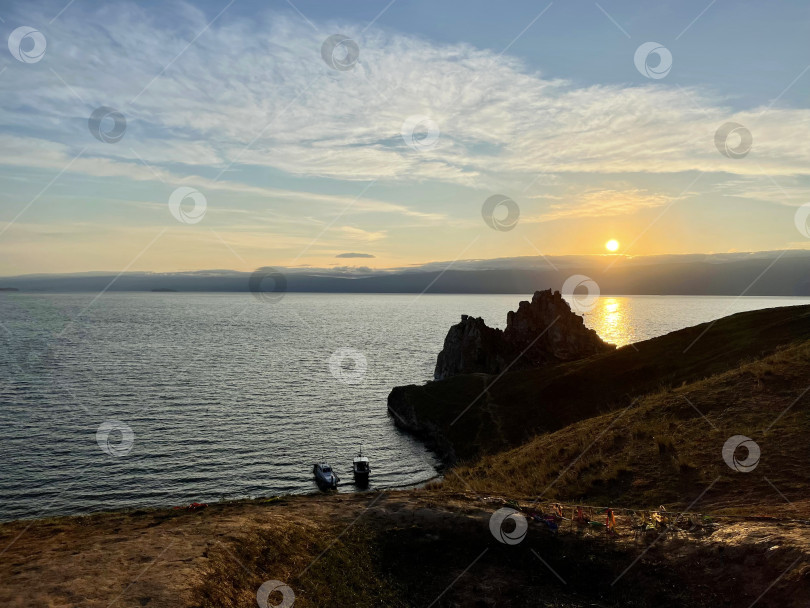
230 396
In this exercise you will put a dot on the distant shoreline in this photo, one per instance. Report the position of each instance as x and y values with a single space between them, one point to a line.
519 294
752 274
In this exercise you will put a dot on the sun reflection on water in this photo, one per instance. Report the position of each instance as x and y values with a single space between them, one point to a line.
609 317
623 320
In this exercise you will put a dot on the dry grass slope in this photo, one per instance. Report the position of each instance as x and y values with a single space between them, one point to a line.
666 447
325 567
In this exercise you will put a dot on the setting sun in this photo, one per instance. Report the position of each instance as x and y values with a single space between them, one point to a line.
612 245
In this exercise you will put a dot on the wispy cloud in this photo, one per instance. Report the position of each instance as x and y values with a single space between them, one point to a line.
215 103
601 203
360 234
788 190
45 154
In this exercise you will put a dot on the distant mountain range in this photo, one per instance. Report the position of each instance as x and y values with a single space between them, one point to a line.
769 273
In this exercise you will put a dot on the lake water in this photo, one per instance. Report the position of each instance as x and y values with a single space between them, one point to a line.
156 399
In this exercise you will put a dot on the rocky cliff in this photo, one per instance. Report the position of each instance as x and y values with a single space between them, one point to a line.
467 415
541 332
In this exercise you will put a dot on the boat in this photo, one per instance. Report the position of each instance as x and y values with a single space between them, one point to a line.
361 469
325 477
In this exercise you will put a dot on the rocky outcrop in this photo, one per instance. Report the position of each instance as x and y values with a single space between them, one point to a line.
406 418
541 332
468 415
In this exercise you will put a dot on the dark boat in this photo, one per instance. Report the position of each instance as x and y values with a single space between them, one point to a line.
361 469
325 477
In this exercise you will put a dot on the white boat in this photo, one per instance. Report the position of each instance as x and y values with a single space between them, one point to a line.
361 469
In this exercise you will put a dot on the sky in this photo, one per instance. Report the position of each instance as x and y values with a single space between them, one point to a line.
173 136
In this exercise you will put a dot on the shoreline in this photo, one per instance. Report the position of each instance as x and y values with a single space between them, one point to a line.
257 499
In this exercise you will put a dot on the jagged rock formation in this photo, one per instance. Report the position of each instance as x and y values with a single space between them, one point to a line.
541 332
468 415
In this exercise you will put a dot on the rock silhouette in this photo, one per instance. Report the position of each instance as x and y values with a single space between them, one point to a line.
541 332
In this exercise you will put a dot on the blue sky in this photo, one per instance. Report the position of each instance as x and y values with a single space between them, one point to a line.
298 163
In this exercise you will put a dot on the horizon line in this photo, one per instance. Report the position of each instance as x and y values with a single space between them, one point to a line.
415 266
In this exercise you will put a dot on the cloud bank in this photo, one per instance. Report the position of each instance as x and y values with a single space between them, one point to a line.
257 92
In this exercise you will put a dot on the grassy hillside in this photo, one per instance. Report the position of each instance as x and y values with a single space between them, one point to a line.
666 447
467 416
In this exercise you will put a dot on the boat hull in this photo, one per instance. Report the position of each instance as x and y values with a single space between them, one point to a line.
325 481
